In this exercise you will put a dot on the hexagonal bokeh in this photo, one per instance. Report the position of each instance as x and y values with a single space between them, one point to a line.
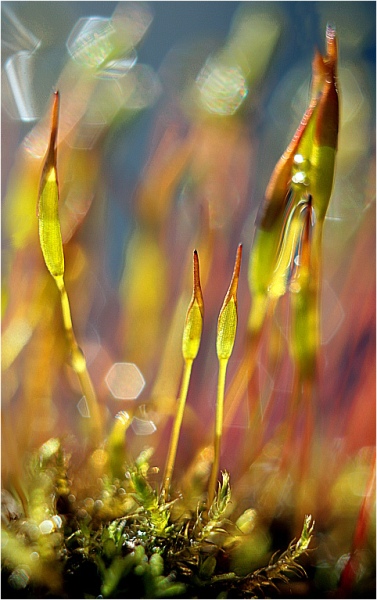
143 426
125 381
222 88
90 41
83 408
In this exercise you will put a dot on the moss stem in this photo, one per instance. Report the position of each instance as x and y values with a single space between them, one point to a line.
78 364
223 363
172 452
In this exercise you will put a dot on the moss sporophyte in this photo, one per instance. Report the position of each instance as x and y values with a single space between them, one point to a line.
86 513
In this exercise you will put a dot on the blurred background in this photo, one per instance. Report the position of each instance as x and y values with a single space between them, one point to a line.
173 115
172 118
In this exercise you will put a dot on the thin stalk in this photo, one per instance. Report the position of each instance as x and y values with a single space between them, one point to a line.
192 333
352 567
309 428
172 452
223 363
51 243
288 450
226 335
78 364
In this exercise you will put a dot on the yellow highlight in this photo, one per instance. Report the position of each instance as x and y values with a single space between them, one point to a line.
15 337
51 175
78 361
257 312
20 201
99 459
143 290
121 424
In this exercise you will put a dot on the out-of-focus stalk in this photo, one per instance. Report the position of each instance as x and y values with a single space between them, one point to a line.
304 302
305 298
313 180
350 571
282 195
52 249
279 200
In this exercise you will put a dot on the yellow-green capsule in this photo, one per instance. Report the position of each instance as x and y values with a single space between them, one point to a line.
276 195
227 321
194 318
281 196
48 213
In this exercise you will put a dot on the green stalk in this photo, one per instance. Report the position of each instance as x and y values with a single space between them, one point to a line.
226 335
78 364
172 452
192 333
223 363
52 249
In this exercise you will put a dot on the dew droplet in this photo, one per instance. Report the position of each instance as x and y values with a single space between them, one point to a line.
34 556
47 526
300 178
98 505
57 520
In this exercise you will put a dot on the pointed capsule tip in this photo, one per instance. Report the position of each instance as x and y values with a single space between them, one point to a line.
56 99
238 260
227 321
236 272
318 75
196 264
331 43
330 31
197 288
55 118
